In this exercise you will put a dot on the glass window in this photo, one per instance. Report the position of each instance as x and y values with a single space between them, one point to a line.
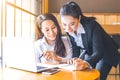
18 18
18 23
10 21
0 27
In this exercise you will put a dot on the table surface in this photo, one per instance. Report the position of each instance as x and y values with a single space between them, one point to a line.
16 74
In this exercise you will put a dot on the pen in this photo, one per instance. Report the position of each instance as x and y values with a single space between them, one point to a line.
82 54
82 57
41 51
41 56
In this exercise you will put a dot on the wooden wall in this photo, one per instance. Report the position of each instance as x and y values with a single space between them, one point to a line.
92 6
109 21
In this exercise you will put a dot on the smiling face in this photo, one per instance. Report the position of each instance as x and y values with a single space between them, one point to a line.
49 30
69 23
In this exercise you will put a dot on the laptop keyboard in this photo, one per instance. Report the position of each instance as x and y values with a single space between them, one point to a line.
40 67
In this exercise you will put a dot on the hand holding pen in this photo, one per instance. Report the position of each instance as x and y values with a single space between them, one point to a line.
50 55
47 55
78 62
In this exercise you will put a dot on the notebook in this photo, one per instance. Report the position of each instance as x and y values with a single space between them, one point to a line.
19 53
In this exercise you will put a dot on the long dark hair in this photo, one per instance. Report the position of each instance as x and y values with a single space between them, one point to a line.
73 9
59 45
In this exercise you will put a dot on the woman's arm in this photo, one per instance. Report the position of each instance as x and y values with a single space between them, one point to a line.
97 45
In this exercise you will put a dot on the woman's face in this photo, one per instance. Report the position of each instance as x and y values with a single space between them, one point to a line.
69 23
49 30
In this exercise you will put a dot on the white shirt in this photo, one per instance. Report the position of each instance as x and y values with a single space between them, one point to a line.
77 37
41 45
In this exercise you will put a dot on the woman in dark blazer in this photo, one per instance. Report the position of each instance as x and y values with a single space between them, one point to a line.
86 34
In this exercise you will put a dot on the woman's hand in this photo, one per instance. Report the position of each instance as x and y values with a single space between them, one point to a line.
70 61
50 55
79 63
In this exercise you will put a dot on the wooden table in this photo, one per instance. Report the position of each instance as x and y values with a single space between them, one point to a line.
15 74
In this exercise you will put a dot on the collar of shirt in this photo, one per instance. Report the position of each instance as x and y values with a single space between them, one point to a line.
46 46
80 30
77 37
45 42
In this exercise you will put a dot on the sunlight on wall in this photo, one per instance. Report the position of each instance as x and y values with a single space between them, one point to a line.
0 26
10 21
18 19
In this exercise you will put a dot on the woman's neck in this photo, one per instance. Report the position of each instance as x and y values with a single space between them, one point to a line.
50 42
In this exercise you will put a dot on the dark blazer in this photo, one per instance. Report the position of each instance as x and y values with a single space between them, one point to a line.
98 44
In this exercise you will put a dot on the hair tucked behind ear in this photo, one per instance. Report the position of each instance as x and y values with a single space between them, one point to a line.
38 32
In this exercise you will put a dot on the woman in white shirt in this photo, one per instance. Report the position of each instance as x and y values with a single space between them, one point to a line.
51 46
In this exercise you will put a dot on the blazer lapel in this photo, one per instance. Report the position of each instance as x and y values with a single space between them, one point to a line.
85 41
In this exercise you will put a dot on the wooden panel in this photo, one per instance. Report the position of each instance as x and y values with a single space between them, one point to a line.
118 18
100 18
88 14
107 21
58 18
59 21
112 29
44 6
110 19
95 6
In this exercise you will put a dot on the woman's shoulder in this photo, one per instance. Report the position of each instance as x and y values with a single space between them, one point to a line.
67 43
64 38
38 42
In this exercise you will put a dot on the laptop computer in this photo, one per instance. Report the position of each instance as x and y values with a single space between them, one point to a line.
19 53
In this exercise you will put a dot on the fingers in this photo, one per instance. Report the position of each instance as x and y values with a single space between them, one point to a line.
79 66
49 55
79 63
71 61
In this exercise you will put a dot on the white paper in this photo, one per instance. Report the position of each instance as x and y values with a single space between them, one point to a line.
62 66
